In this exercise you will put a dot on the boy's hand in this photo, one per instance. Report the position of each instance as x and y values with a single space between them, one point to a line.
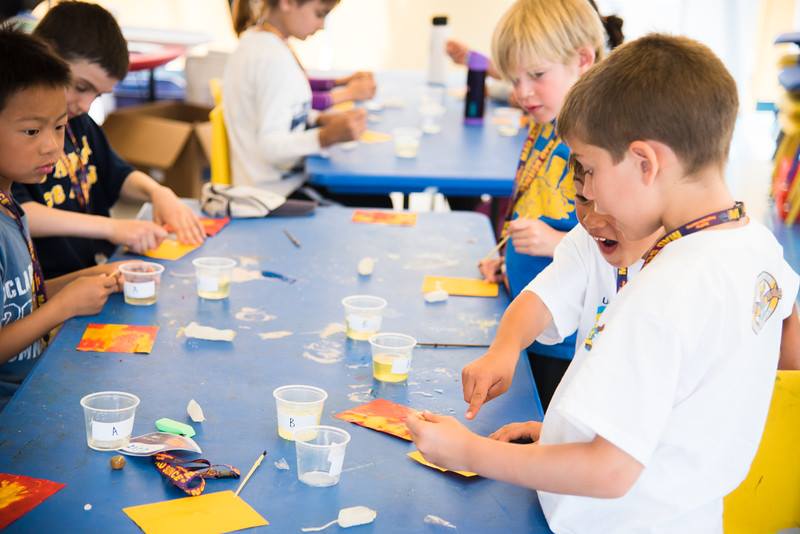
138 236
112 269
486 378
86 295
441 440
533 237
343 127
491 269
458 52
169 211
361 86
516 431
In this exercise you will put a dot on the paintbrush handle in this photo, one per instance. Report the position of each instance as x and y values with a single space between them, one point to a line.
497 247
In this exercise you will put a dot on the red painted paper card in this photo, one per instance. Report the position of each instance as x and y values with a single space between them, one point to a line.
382 415
20 494
214 226
118 338
394 218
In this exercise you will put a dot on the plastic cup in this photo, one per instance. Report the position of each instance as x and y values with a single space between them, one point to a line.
320 455
406 142
363 315
391 356
507 121
142 279
214 277
109 419
431 117
298 407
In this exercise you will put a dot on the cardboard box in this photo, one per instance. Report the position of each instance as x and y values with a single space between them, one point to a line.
170 141
202 66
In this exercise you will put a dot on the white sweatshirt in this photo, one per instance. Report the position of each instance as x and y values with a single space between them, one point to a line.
267 109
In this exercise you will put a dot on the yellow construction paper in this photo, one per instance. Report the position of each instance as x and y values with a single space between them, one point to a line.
170 249
465 287
209 513
371 136
417 456
344 106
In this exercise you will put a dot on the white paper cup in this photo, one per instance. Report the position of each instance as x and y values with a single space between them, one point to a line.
406 142
214 277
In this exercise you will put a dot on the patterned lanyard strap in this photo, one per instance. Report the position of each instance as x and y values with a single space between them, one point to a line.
707 221
622 277
191 475
524 176
79 179
38 277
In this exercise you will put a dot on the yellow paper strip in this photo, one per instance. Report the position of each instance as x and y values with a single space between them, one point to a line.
170 249
465 287
417 456
371 136
209 513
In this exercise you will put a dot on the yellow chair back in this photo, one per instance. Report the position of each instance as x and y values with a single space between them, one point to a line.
220 155
215 86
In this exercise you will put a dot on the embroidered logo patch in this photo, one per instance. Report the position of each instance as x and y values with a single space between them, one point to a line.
767 296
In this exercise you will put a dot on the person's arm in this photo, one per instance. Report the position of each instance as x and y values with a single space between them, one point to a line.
595 469
790 342
534 237
167 207
54 285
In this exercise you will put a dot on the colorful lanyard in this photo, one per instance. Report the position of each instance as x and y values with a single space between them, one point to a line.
38 277
622 277
707 221
79 180
191 475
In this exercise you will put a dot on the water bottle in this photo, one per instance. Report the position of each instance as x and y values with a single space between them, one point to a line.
475 100
437 63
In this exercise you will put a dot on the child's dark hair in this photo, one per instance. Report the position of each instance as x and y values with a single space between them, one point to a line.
27 62
613 26
83 31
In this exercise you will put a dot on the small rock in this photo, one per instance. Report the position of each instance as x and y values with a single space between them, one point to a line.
117 463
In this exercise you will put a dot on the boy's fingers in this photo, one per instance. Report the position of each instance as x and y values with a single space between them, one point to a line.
477 398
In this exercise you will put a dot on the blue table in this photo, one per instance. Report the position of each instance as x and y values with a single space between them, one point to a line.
42 429
460 160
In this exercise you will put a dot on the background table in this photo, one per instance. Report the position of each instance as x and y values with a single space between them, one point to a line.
459 161
42 430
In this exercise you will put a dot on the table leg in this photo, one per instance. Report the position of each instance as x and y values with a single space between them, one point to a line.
151 86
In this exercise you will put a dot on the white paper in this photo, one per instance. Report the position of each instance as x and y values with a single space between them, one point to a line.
140 290
364 323
208 333
336 459
400 365
207 283
195 411
112 431
295 422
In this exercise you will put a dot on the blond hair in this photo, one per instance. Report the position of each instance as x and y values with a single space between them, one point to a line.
662 88
545 30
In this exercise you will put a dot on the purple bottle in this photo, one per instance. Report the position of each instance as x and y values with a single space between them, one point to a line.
475 100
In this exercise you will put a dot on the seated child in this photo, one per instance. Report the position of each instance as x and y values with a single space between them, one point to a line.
33 115
69 211
661 411
267 97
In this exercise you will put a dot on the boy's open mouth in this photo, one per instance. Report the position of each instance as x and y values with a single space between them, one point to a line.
606 245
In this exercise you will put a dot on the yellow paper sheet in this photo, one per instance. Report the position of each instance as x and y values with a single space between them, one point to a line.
347 105
465 287
371 136
417 456
170 249
209 513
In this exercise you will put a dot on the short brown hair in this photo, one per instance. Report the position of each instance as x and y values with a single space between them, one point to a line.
247 13
662 88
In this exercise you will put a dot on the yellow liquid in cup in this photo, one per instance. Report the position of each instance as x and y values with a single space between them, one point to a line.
382 369
147 301
360 335
299 418
222 292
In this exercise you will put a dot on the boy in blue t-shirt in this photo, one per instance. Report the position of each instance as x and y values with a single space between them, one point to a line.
32 118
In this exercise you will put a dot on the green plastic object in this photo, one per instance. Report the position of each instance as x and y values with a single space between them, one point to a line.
166 424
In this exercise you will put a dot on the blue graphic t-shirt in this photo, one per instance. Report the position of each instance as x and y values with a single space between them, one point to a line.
16 302
551 199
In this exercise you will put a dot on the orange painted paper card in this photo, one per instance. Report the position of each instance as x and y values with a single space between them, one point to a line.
395 218
170 249
417 456
465 287
20 494
382 415
210 513
214 226
118 338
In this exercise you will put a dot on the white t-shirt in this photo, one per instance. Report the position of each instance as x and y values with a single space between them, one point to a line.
267 108
576 287
679 376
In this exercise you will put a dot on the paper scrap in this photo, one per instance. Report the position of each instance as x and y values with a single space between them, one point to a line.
331 329
278 334
417 456
170 249
195 411
465 287
366 266
20 494
214 226
282 464
381 415
436 520
348 517
371 137
209 333
212 512
118 338
241 275
436 295
394 218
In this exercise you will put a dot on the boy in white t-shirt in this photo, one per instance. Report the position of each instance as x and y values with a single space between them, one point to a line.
661 411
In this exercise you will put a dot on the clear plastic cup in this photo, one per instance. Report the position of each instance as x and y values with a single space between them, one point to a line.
507 121
406 142
320 455
298 407
431 115
109 419
363 315
214 277
141 282
391 356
